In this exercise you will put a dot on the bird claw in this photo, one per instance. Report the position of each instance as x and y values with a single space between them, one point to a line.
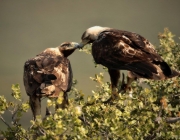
124 87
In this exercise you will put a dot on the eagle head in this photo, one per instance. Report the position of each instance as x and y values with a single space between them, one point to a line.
67 48
91 34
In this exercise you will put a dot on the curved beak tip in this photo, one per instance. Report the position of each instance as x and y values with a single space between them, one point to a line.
75 44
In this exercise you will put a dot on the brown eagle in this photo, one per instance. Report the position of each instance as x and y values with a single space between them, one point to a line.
48 74
123 50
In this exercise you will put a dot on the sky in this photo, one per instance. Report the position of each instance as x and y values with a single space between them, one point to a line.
27 27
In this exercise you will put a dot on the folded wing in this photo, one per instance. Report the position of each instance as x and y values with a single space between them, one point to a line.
124 50
47 74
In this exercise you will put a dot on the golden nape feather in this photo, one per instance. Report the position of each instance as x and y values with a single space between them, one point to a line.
49 74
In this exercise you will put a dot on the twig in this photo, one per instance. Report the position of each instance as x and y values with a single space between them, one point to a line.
168 120
158 119
177 95
2 119
14 113
82 118
61 135
172 119
42 131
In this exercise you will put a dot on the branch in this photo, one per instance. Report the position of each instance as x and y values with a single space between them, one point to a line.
2 119
14 112
83 119
42 131
172 119
168 120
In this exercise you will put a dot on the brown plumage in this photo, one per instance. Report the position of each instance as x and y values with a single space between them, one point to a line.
48 74
123 50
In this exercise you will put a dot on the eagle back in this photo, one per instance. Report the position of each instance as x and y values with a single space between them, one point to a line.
124 45
103 46
47 63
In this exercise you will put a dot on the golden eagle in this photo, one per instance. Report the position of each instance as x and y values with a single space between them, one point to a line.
123 50
48 74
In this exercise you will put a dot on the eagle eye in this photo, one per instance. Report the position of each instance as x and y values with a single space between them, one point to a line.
86 38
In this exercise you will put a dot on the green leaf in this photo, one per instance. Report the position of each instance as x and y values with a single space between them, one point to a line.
16 93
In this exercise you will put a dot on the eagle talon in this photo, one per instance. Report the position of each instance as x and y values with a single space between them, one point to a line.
124 88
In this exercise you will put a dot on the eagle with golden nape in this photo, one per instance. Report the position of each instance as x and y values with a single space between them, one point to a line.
123 50
48 74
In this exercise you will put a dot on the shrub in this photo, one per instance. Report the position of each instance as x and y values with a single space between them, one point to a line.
142 113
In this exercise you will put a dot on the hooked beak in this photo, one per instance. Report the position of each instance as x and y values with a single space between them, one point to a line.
83 43
75 45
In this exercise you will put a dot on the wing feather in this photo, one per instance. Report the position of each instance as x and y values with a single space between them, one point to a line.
118 49
37 69
49 74
32 79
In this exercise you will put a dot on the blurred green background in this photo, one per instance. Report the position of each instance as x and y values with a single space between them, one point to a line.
27 27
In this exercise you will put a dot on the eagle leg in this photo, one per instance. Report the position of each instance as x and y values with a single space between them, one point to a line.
130 79
114 77
35 104
48 112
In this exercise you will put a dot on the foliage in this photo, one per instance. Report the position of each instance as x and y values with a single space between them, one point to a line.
142 113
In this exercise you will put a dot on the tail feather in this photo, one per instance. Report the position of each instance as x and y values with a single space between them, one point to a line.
174 74
160 73
165 68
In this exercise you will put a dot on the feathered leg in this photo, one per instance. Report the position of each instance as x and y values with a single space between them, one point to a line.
35 104
114 77
130 79
47 112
